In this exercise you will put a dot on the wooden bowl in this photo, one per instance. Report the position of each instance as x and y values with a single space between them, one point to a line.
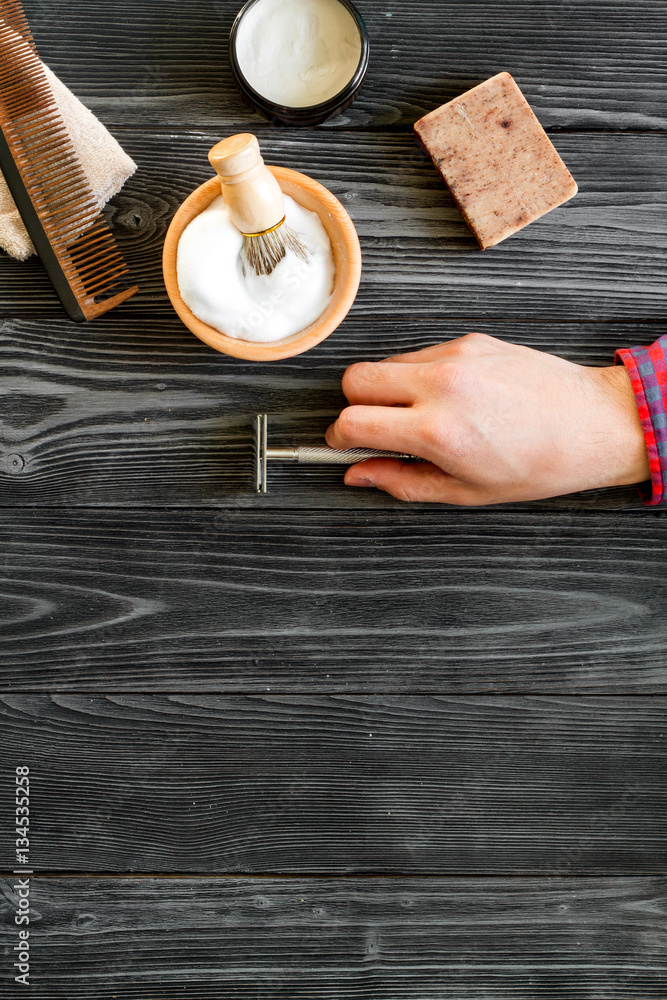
347 259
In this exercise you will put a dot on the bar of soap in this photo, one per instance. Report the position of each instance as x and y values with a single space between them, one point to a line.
496 159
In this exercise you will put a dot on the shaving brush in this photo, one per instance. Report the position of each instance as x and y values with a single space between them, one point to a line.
255 203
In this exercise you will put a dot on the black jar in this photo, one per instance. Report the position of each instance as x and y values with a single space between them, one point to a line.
313 114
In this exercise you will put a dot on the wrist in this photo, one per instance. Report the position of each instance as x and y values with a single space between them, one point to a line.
629 462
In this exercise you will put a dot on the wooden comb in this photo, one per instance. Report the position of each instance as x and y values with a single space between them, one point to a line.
48 184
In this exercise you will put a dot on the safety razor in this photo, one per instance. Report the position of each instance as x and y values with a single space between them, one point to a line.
308 455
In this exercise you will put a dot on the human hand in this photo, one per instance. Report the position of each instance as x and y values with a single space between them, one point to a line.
495 421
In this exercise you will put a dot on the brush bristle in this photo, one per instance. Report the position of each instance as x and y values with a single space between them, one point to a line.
51 174
263 253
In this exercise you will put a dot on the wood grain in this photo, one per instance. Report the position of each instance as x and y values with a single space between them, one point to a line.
585 64
600 257
422 691
467 938
453 601
145 414
213 784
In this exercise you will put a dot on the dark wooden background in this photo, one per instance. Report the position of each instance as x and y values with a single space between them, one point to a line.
319 743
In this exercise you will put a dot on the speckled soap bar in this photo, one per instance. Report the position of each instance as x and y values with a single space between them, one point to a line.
496 159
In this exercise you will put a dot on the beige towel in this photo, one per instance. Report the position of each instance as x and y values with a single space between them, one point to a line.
104 163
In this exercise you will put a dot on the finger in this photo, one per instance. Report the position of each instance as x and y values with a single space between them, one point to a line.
434 353
411 481
389 428
438 352
379 384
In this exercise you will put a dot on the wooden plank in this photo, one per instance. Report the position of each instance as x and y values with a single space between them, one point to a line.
339 784
585 64
147 415
294 601
468 939
120 351
349 633
600 257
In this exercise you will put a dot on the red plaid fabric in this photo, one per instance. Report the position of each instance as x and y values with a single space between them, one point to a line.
647 368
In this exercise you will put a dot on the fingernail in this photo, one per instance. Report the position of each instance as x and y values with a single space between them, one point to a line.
357 481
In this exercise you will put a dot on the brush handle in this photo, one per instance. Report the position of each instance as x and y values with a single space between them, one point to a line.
252 194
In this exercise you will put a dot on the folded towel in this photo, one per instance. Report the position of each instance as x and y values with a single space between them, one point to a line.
104 163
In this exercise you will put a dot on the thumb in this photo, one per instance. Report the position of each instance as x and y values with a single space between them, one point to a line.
417 481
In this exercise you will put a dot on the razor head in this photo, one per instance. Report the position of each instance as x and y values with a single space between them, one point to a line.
261 448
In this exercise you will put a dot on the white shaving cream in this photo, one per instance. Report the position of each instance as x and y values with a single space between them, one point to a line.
248 306
298 53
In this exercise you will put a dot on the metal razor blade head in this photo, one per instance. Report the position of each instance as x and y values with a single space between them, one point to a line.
309 454
261 448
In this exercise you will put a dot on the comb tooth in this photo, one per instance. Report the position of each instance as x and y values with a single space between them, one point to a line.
101 278
54 140
66 231
21 47
24 82
13 13
22 121
109 271
21 109
51 167
33 145
96 239
20 101
20 51
105 253
65 188
106 263
64 172
60 179
106 269
89 242
99 286
19 90
106 274
51 146
92 235
36 130
48 182
71 226
64 237
92 263
36 125
70 210
66 167
87 248
19 62
19 80
69 217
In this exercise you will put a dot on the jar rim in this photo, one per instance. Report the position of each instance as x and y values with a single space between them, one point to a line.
286 110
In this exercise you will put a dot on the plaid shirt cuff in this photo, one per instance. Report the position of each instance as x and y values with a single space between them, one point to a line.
647 368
